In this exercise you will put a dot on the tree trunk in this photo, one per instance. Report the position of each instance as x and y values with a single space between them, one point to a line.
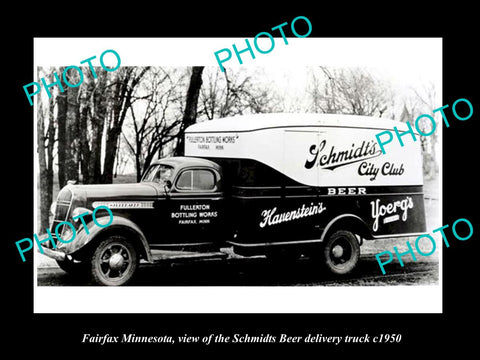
190 113
42 162
91 123
110 152
72 134
50 147
61 133
138 167
68 134
83 122
45 142
100 99
85 153
122 98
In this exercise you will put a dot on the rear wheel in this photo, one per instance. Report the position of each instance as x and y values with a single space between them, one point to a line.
341 252
114 261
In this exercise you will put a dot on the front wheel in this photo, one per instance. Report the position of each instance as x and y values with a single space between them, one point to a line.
341 252
114 261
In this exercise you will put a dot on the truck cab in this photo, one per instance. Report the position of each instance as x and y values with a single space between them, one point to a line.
178 205
190 206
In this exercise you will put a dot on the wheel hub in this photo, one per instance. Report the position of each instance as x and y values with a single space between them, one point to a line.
337 251
115 262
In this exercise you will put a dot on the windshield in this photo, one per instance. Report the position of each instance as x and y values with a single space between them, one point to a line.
159 174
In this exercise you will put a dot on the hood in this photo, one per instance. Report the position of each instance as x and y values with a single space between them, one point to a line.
115 191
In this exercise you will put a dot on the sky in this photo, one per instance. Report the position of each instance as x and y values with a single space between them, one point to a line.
405 63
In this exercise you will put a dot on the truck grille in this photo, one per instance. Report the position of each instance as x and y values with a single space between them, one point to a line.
62 210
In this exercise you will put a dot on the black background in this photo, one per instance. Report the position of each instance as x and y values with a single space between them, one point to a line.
61 334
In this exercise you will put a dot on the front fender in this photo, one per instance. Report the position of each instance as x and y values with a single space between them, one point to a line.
82 238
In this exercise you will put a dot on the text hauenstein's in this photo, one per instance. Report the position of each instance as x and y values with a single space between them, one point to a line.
271 217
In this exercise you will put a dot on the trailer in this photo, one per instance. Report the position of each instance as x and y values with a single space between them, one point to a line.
297 181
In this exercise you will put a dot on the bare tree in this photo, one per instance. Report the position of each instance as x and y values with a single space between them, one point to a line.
61 100
93 110
45 149
127 79
155 120
348 91
190 112
423 100
233 93
72 127
68 128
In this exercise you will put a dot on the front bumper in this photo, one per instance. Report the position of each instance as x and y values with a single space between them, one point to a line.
54 254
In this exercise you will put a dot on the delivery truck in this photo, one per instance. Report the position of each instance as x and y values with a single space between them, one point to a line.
280 185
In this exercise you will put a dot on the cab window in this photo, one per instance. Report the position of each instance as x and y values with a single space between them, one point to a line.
196 180
159 173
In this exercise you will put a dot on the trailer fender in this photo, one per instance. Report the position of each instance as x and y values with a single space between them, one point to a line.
347 222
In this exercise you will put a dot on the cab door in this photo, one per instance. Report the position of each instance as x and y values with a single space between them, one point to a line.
196 206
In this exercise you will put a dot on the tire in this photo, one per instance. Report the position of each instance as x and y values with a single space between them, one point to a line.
114 261
341 252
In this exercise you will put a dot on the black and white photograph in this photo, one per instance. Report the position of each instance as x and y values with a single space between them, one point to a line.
246 176
227 183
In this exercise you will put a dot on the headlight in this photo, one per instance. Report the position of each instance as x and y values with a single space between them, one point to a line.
79 211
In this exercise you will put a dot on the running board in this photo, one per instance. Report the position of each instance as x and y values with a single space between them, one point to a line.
176 255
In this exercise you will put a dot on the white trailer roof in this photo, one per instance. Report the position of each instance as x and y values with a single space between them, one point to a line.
313 149
262 121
